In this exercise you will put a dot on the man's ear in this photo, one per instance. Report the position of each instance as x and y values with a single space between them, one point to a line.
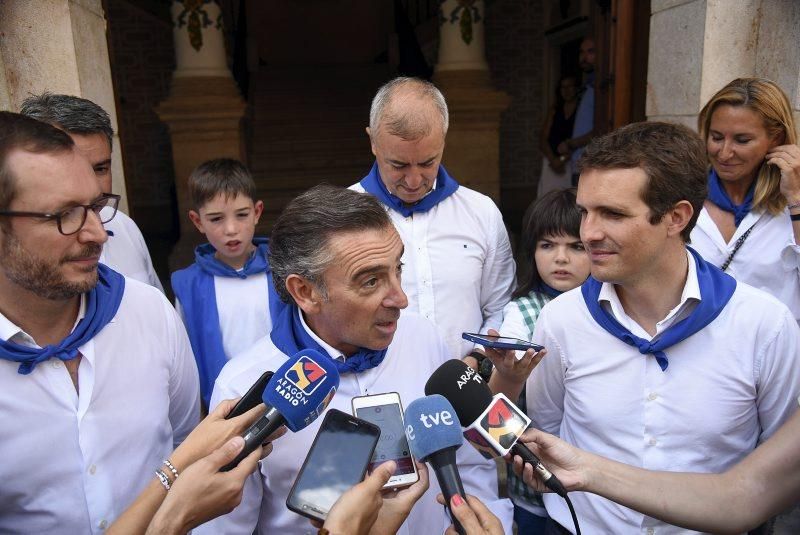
194 217
678 217
304 292
371 142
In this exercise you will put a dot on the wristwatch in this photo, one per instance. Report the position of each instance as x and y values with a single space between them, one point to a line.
485 365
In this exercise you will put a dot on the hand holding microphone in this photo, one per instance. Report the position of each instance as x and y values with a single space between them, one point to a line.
494 423
295 396
434 434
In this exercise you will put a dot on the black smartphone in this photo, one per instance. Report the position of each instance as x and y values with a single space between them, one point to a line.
337 460
252 397
501 342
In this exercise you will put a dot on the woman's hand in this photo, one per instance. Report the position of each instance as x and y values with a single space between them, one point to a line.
787 158
474 516
202 492
569 464
397 505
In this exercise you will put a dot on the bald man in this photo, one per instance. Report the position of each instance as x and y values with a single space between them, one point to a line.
458 268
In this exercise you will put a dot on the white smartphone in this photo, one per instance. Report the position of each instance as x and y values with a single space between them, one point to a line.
386 411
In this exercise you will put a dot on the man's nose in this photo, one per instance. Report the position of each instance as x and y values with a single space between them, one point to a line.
396 298
93 230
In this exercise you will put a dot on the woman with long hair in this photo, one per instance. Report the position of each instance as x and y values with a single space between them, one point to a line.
750 223
557 127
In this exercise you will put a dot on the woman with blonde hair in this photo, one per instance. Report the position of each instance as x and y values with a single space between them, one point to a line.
750 223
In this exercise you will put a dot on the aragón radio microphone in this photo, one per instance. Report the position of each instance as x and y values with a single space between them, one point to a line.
295 396
434 434
494 423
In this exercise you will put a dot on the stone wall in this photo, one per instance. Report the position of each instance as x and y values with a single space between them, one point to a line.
515 52
142 61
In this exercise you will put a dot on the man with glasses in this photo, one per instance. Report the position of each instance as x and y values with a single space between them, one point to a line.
98 379
89 126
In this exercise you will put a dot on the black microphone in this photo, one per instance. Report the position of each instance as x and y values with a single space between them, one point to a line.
295 396
495 423
434 434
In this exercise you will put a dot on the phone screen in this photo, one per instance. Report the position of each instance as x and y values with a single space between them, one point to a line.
392 445
336 462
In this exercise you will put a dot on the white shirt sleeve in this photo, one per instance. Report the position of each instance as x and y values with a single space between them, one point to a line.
497 279
184 383
778 374
514 325
545 386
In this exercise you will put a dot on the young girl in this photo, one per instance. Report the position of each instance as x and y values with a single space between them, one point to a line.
554 262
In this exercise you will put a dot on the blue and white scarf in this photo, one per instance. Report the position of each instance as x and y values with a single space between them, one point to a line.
194 288
102 303
716 289
445 186
718 195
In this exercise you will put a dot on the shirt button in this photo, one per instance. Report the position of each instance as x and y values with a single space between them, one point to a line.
56 363
92 469
650 531
653 396
652 442
103 524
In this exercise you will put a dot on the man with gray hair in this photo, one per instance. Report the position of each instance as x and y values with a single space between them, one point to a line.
459 269
89 126
335 259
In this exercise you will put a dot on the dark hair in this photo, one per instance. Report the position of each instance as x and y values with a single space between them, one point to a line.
18 132
672 156
74 114
553 214
224 176
301 234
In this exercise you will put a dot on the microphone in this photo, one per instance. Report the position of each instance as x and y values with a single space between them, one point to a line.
296 395
434 434
496 423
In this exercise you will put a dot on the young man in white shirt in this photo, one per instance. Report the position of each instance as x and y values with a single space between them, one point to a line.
89 126
659 360
99 382
336 263
459 268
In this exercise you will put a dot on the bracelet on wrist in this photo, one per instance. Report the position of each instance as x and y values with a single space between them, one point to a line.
793 205
171 469
163 478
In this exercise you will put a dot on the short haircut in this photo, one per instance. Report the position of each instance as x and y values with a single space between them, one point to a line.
407 126
769 102
224 176
18 132
672 156
300 239
553 214
73 114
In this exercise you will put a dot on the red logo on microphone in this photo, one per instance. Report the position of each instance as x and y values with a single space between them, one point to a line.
503 423
306 375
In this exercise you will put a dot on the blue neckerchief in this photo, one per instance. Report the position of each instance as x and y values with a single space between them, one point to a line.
445 186
102 303
289 335
718 195
716 289
548 290
194 288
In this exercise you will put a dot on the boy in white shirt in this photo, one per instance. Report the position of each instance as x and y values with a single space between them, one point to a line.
223 296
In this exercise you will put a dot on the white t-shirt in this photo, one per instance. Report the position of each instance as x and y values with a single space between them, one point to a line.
126 252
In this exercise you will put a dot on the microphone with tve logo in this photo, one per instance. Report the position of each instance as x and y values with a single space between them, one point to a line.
434 434
494 422
295 396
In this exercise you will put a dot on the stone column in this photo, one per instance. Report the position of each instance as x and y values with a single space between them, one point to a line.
472 153
204 108
717 44
59 46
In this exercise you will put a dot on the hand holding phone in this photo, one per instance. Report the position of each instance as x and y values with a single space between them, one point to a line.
252 397
386 411
337 460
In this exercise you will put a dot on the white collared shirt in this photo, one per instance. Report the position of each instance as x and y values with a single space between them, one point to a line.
416 351
728 387
126 252
769 259
458 268
72 463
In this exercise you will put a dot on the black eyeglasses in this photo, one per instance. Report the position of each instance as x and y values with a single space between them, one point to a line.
72 219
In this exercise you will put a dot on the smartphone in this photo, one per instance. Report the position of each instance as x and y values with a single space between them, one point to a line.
386 411
252 397
501 342
337 460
